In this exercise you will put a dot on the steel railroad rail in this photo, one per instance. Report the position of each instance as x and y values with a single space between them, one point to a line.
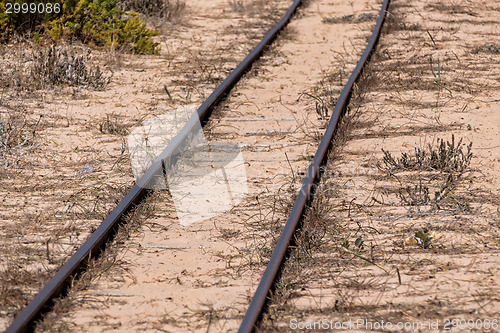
58 285
306 193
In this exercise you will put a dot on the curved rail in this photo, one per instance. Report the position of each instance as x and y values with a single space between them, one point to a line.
93 246
306 193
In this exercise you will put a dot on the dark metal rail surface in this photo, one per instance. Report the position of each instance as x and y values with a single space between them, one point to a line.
306 193
57 286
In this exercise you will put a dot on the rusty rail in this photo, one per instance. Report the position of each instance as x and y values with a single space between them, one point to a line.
58 285
306 193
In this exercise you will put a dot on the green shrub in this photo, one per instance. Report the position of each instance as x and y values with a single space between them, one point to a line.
4 22
97 22
22 23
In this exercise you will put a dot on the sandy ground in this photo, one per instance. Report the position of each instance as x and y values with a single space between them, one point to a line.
201 277
73 167
436 75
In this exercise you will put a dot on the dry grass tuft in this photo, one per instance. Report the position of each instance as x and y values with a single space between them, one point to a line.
417 221
365 17
13 292
317 234
60 66
171 11
445 156
109 262
112 125
487 48
18 133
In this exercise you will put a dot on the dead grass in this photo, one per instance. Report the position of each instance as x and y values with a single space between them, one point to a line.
18 135
39 243
251 8
392 232
109 262
317 234
452 7
351 18
15 278
487 48
56 66
158 12
33 67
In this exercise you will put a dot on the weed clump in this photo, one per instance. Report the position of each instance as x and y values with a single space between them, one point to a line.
432 174
446 157
488 48
58 66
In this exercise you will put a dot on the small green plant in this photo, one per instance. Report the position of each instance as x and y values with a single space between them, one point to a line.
437 77
321 106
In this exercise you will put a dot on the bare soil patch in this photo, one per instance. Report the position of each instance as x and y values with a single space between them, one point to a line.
201 277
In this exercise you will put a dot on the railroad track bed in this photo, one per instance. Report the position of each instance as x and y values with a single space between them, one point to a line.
387 238
67 163
379 244
202 276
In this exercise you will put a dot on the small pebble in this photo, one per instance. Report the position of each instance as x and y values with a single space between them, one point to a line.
87 168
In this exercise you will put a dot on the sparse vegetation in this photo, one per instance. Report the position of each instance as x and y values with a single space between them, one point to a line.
416 221
431 174
169 10
350 18
320 240
17 135
487 48
13 277
246 6
110 262
112 125
445 156
20 23
59 66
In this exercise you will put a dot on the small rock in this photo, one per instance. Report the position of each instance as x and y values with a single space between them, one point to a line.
87 168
